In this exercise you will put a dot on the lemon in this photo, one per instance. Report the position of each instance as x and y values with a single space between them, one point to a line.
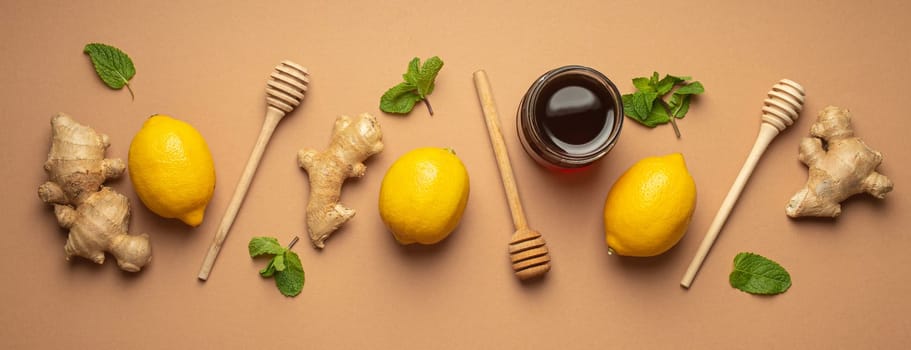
649 208
423 195
171 169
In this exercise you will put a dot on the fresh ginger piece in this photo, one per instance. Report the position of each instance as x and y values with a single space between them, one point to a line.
353 141
96 216
841 165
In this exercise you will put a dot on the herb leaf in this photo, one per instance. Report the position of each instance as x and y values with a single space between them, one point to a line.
269 270
666 84
756 274
279 261
418 83
400 98
652 92
264 245
113 66
628 106
656 117
690 89
643 84
642 103
285 266
680 105
428 74
413 73
290 282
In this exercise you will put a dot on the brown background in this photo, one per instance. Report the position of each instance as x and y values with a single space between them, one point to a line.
206 63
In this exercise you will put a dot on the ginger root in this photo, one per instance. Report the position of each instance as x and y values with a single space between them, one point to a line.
353 141
96 216
841 165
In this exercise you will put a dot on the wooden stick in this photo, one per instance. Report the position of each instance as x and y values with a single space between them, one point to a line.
781 109
766 134
527 249
492 118
273 116
285 89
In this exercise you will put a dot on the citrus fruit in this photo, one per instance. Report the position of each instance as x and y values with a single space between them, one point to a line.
423 195
171 169
649 207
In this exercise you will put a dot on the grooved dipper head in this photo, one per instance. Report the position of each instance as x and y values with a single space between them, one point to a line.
783 106
287 86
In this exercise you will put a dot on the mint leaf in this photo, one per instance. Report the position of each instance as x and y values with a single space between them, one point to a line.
113 66
681 78
427 75
269 270
666 84
690 89
418 83
756 274
414 72
400 99
290 282
264 245
285 266
642 103
656 117
279 261
628 108
680 105
643 84
650 91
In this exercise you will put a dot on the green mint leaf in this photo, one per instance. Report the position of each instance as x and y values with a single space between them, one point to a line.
756 274
643 84
650 91
414 72
643 102
628 109
279 262
418 83
690 89
681 105
681 78
269 270
264 245
290 282
113 66
428 74
666 84
399 99
657 116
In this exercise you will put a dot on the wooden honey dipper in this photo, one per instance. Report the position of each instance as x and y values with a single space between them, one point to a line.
285 89
780 110
527 249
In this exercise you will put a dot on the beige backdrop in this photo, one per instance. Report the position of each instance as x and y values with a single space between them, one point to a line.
206 63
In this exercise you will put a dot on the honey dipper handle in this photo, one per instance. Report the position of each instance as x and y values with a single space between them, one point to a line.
767 132
489 107
273 116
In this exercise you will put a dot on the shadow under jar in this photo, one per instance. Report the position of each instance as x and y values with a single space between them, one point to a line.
570 117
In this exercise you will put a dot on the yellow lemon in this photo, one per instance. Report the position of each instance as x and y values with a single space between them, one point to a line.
423 195
171 169
649 208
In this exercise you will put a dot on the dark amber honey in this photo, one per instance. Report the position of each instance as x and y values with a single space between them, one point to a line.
576 114
569 118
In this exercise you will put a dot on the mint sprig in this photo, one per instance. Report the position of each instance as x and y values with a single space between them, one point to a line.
113 66
651 106
419 82
285 265
756 274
